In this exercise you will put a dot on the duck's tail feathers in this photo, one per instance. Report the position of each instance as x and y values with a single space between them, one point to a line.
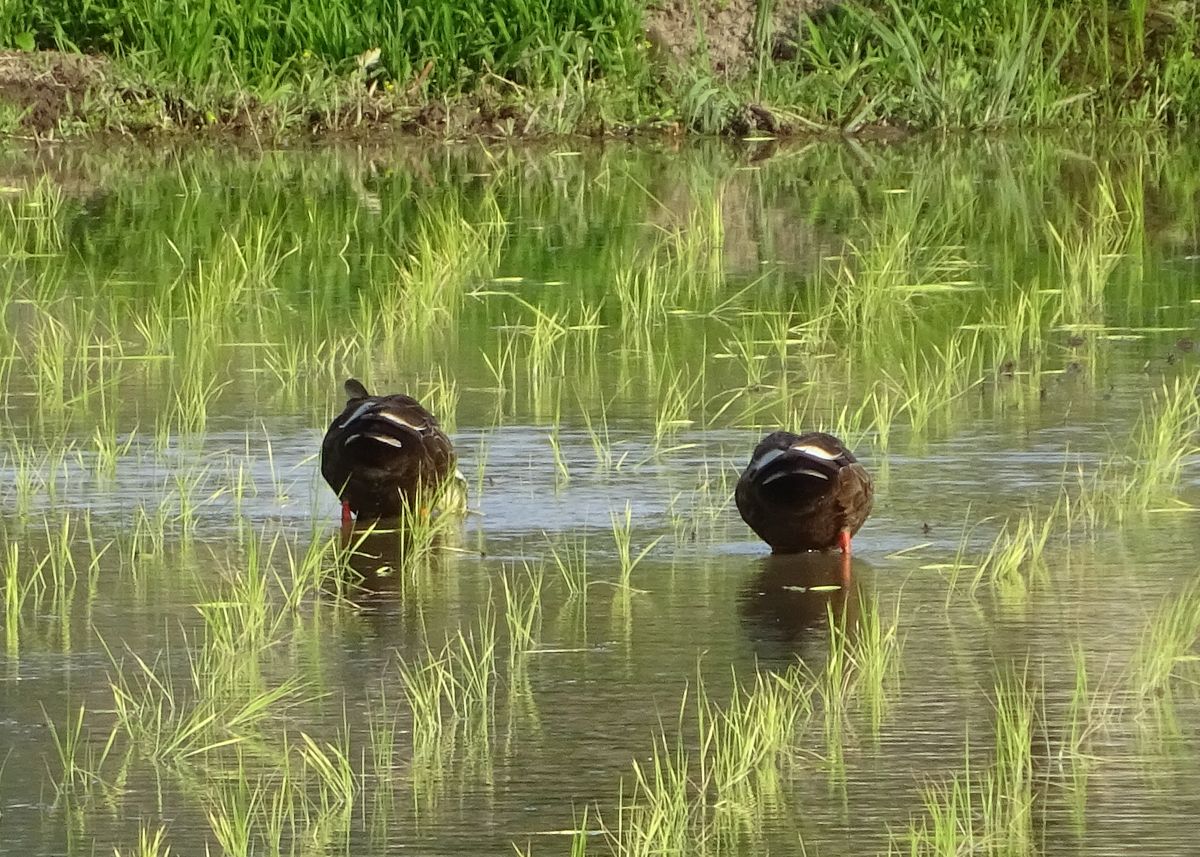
814 464
384 423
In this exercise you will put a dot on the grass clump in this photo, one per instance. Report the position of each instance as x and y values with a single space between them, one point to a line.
451 696
988 812
685 801
1168 648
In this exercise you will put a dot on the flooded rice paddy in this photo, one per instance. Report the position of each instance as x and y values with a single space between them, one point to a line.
601 658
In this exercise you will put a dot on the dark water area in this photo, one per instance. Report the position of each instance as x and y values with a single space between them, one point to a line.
1003 331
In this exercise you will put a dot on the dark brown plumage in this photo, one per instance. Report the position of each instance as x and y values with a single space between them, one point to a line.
804 492
381 452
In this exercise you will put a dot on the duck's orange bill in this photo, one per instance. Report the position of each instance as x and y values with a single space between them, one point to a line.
844 541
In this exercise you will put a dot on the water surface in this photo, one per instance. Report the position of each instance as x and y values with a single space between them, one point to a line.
987 323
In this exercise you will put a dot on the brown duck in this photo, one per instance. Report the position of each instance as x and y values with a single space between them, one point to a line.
803 492
383 452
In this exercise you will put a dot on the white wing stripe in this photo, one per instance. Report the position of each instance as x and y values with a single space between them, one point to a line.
400 421
765 459
781 475
816 451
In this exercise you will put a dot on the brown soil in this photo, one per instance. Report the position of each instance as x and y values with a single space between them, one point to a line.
721 31
47 87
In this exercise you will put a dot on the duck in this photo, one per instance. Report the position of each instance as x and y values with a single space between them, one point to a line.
385 454
804 492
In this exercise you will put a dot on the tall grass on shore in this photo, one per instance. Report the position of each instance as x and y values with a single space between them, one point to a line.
568 65
262 46
939 63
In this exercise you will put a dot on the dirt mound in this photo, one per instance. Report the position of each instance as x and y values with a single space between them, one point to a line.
48 86
721 31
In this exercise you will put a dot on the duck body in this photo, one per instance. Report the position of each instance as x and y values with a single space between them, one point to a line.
383 452
804 492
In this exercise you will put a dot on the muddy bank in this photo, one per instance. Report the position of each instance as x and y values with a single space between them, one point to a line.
51 95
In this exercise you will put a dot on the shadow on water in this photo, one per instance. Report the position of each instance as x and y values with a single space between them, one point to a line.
785 607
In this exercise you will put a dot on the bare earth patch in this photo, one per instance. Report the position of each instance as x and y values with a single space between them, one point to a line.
47 87
721 32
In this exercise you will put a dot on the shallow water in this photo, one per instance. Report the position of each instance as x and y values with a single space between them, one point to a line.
190 316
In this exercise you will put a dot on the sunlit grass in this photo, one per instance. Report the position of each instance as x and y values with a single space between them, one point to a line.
988 807
1167 649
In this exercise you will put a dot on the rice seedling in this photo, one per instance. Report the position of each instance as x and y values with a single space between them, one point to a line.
440 395
1011 780
570 561
545 341
168 728
657 816
1167 648
1089 254
34 474
748 744
691 801
69 744
445 252
703 511
677 405
622 528
450 697
875 652
338 783
1165 437
189 414
743 349
149 536
149 844
322 558
988 811
562 471
382 729
108 450
523 612
16 591
232 815
1015 556
930 387
1016 328
602 442
646 289
1089 712
33 221
240 619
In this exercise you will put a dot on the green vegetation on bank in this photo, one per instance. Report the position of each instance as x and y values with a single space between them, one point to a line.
514 67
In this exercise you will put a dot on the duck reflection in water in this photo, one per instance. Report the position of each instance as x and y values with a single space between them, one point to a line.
384 558
786 605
